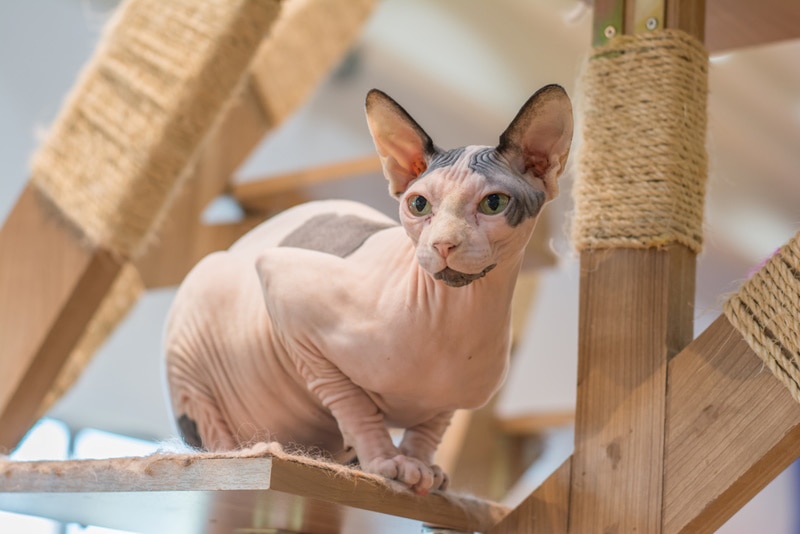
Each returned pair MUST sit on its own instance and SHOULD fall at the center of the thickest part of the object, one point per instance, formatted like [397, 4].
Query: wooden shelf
[206, 493]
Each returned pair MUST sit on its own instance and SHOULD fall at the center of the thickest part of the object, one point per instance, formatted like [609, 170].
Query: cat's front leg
[421, 442]
[362, 426]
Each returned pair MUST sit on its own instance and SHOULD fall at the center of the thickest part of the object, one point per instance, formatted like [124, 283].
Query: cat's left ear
[537, 141]
[403, 146]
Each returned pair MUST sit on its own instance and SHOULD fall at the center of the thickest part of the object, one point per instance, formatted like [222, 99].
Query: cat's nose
[444, 248]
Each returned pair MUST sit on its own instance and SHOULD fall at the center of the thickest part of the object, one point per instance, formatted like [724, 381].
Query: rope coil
[765, 312]
[642, 165]
[140, 109]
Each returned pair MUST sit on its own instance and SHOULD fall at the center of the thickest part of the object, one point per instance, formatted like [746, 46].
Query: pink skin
[300, 346]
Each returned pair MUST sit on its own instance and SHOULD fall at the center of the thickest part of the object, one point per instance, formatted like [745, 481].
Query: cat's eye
[493, 204]
[419, 205]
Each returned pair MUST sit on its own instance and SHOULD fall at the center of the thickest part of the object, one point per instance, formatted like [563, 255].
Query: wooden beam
[258, 194]
[545, 510]
[51, 282]
[728, 25]
[635, 312]
[731, 428]
[195, 493]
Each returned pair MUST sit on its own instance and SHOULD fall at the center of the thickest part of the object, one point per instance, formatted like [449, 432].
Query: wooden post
[636, 312]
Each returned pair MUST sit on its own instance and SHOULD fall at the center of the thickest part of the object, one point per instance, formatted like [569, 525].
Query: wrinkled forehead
[486, 162]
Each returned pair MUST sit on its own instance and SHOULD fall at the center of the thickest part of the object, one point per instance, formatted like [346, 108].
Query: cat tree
[671, 434]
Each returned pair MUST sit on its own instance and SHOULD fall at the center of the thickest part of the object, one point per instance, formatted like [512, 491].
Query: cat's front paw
[415, 474]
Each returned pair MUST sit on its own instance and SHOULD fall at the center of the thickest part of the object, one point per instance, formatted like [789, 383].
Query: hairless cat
[330, 323]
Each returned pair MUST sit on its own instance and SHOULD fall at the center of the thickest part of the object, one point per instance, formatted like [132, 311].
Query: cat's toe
[413, 473]
[440, 478]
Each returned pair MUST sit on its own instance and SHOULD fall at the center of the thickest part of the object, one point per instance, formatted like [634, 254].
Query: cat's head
[471, 208]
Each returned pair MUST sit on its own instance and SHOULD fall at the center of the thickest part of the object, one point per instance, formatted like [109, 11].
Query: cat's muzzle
[455, 278]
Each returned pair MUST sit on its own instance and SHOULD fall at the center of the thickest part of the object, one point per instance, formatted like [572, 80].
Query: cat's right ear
[403, 146]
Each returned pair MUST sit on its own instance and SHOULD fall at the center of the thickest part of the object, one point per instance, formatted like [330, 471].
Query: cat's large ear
[403, 146]
[537, 141]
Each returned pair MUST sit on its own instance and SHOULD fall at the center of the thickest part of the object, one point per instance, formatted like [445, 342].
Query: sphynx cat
[330, 323]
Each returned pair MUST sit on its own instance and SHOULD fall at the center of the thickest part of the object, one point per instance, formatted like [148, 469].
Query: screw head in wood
[610, 32]
[652, 23]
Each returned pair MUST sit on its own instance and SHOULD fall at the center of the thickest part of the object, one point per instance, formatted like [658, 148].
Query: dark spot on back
[331, 233]
[189, 432]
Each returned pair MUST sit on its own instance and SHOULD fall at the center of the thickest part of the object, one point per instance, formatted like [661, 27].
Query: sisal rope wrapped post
[142, 106]
[765, 311]
[642, 165]
[131, 128]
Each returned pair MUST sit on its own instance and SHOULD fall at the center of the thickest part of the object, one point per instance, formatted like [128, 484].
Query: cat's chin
[455, 278]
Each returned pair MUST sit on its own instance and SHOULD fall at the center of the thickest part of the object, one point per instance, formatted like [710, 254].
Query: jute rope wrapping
[642, 165]
[766, 311]
[141, 107]
[130, 128]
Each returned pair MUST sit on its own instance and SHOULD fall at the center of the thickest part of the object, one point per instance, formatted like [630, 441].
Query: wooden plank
[51, 282]
[545, 510]
[733, 24]
[257, 194]
[224, 494]
[635, 312]
[731, 428]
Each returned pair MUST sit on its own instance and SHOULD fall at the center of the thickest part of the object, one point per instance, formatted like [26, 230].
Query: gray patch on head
[331, 233]
[443, 158]
[454, 278]
[526, 201]
[189, 433]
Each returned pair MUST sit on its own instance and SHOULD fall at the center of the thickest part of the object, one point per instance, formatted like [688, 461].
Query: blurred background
[462, 68]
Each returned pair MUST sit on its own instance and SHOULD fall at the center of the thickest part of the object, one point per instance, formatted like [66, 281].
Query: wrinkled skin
[330, 323]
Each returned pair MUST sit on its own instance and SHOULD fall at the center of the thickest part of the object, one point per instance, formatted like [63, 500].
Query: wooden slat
[635, 312]
[50, 285]
[731, 428]
[545, 510]
[258, 194]
[223, 495]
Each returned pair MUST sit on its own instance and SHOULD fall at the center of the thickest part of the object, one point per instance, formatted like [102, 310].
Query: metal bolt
[652, 23]
[610, 32]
